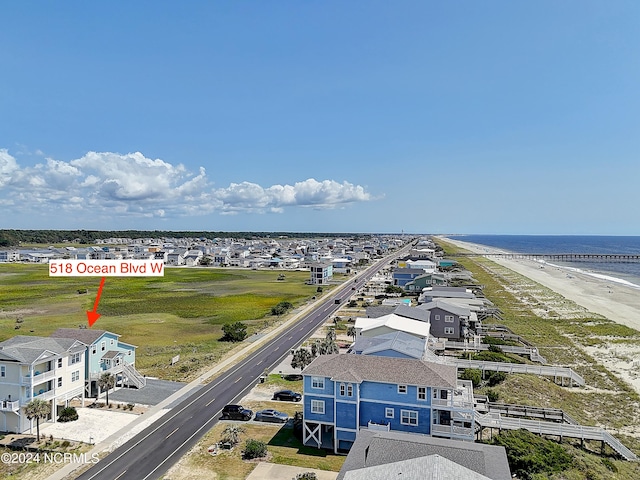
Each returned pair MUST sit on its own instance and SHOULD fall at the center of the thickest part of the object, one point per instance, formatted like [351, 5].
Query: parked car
[288, 395]
[236, 412]
[271, 416]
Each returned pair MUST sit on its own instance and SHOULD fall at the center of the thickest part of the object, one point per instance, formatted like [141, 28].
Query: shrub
[234, 332]
[496, 378]
[528, 453]
[68, 414]
[492, 395]
[65, 444]
[281, 308]
[495, 349]
[255, 449]
[472, 374]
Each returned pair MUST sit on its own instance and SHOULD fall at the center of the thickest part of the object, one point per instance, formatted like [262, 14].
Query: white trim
[389, 412]
[321, 395]
[405, 387]
[398, 404]
[448, 318]
[425, 394]
[318, 403]
[449, 330]
[315, 380]
[409, 416]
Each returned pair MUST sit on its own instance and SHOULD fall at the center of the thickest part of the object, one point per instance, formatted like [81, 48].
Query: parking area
[154, 392]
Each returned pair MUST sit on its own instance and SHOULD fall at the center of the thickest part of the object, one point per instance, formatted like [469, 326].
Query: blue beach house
[105, 353]
[346, 393]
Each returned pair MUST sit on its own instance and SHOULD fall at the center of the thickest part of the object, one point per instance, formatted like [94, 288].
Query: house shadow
[18, 442]
[285, 437]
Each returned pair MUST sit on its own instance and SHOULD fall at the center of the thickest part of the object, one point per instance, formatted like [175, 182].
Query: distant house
[384, 455]
[176, 258]
[450, 321]
[437, 292]
[395, 344]
[344, 394]
[321, 273]
[9, 256]
[44, 368]
[401, 276]
[373, 327]
[105, 353]
[421, 282]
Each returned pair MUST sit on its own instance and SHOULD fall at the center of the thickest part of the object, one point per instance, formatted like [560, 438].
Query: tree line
[13, 238]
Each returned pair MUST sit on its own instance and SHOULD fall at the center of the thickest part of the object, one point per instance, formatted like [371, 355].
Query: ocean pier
[560, 257]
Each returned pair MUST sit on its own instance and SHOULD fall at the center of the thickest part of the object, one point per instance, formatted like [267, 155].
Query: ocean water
[596, 244]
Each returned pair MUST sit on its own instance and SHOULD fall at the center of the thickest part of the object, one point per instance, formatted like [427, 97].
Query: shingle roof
[413, 313]
[380, 448]
[448, 307]
[85, 335]
[342, 367]
[431, 467]
[27, 349]
[111, 354]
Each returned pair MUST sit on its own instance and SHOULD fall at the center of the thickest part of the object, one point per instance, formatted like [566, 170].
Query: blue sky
[360, 116]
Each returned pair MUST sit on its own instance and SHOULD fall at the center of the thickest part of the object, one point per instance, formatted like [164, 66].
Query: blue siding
[388, 392]
[375, 412]
[346, 415]
[308, 389]
[316, 417]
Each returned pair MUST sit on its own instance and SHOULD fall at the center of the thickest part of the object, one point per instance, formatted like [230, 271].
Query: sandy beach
[618, 302]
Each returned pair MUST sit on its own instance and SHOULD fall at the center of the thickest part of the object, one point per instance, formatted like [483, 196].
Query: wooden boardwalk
[495, 420]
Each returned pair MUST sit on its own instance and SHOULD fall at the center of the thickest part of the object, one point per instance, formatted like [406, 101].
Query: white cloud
[134, 185]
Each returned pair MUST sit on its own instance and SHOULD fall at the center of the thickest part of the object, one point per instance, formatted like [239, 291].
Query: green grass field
[180, 313]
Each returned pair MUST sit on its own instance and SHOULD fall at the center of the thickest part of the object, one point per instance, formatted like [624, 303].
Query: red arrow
[93, 316]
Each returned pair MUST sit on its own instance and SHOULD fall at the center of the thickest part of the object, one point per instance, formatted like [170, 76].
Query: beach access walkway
[496, 420]
[531, 352]
[558, 373]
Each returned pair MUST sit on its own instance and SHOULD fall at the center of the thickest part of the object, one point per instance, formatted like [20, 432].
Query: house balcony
[7, 406]
[38, 377]
[378, 427]
[460, 398]
[453, 431]
[116, 370]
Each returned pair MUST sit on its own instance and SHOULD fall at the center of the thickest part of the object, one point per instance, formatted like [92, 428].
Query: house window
[438, 317]
[343, 389]
[93, 349]
[103, 346]
[422, 393]
[59, 381]
[402, 389]
[349, 390]
[112, 340]
[409, 417]
[3, 371]
[388, 412]
[448, 318]
[129, 353]
[317, 406]
[75, 358]
[449, 330]
[317, 382]
[75, 376]
[59, 363]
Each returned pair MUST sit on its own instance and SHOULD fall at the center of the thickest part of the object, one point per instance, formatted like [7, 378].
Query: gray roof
[446, 306]
[111, 354]
[431, 467]
[413, 313]
[377, 311]
[85, 335]
[401, 342]
[380, 448]
[356, 368]
[27, 349]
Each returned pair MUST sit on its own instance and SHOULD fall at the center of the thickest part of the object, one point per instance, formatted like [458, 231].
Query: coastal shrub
[492, 395]
[494, 357]
[498, 341]
[254, 449]
[495, 349]
[307, 476]
[472, 374]
[495, 378]
[281, 308]
[234, 332]
[68, 414]
[529, 454]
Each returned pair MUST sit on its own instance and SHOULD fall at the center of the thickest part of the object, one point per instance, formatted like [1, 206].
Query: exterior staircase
[132, 376]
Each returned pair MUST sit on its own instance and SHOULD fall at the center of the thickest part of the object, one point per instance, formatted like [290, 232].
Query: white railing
[531, 352]
[385, 427]
[495, 420]
[7, 406]
[134, 377]
[452, 431]
[543, 370]
[38, 378]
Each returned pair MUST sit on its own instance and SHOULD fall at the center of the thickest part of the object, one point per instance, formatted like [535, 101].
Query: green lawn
[180, 313]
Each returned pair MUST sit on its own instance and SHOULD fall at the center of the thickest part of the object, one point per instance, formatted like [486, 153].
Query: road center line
[210, 402]
[172, 433]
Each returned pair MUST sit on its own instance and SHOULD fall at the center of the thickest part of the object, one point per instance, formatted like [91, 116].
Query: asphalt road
[154, 450]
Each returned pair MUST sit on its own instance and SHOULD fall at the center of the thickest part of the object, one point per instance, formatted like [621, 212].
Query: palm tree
[37, 409]
[351, 331]
[106, 382]
[231, 434]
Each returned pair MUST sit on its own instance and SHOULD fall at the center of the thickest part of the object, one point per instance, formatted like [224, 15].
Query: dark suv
[236, 412]
[287, 395]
